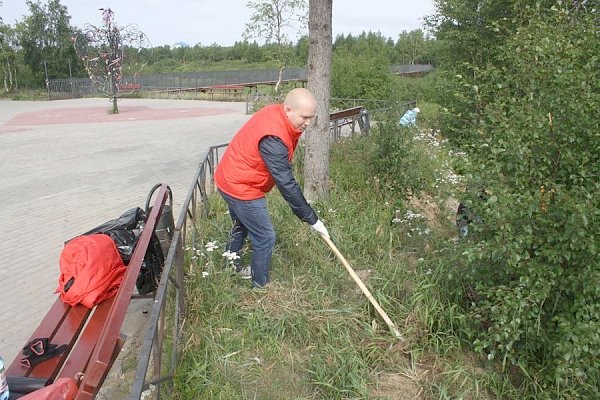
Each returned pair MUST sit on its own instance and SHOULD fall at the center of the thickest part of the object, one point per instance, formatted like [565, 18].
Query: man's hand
[320, 228]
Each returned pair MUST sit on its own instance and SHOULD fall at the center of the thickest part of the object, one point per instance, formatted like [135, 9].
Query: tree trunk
[115, 92]
[317, 136]
[10, 76]
[115, 107]
[113, 100]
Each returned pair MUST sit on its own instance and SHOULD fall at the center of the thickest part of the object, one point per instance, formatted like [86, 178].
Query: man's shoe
[257, 287]
[244, 272]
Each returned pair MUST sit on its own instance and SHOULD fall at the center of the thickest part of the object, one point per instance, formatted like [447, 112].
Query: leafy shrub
[402, 160]
[530, 285]
[360, 77]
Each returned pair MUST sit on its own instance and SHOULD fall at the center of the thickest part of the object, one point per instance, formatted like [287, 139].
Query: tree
[8, 57]
[102, 51]
[410, 47]
[468, 34]
[45, 38]
[271, 20]
[471, 30]
[531, 272]
[318, 137]
[361, 67]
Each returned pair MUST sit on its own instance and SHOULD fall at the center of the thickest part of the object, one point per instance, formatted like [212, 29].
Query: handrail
[196, 202]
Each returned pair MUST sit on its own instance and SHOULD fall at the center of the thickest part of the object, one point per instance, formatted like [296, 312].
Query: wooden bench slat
[82, 351]
[349, 116]
[129, 86]
[349, 112]
[87, 392]
[47, 327]
[61, 326]
[67, 334]
[232, 87]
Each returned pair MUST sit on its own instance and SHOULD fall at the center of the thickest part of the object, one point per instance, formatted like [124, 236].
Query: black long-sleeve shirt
[275, 154]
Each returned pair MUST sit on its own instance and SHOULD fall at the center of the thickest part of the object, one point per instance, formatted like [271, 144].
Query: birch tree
[272, 20]
[7, 56]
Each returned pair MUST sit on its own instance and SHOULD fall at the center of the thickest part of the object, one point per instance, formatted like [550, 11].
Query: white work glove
[320, 228]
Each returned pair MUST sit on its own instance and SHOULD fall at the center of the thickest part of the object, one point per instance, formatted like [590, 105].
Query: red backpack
[91, 270]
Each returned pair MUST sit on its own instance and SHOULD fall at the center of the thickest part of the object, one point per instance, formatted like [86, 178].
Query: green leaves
[45, 36]
[360, 69]
[531, 131]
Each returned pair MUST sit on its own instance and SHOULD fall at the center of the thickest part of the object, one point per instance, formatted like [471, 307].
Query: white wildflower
[210, 246]
[231, 256]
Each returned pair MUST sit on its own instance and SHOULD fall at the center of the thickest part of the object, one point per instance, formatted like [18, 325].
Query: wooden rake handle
[364, 289]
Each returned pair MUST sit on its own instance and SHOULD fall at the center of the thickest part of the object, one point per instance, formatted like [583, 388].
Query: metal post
[71, 79]
[180, 305]
[47, 80]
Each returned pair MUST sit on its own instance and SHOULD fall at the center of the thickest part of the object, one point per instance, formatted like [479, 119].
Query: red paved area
[79, 115]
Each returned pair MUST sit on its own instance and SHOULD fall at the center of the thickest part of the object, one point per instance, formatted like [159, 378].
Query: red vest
[242, 173]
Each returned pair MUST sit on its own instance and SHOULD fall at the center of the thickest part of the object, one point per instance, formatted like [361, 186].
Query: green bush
[402, 157]
[360, 77]
[530, 277]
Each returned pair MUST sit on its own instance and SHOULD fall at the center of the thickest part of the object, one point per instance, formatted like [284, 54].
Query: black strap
[38, 350]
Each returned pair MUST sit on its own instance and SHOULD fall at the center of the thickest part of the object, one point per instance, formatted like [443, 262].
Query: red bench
[92, 337]
[225, 92]
[349, 116]
[129, 87]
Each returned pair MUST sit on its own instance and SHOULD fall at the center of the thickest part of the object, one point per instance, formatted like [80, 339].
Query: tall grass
[313, 334]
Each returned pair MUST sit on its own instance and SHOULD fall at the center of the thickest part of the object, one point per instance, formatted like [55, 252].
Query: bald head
[300, 107]
[299, 97]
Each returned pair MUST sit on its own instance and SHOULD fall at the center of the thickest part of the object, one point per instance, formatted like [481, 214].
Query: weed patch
[312, 334]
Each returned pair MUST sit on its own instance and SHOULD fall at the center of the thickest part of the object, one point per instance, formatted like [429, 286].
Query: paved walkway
[67, 166]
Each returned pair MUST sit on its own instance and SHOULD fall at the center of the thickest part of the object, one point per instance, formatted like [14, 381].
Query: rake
[363, 288]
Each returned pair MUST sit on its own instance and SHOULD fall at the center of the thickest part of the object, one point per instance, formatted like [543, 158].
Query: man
[258, 158]
[410, 117]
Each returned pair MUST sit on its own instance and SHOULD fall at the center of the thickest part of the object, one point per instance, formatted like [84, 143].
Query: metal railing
[169, 308]
[408, 69]
[84, 87]
[255, 101]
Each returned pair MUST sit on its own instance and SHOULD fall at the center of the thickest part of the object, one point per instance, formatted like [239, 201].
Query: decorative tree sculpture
[102, 51]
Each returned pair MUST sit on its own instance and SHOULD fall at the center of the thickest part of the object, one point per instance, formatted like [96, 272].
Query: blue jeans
[251, 218]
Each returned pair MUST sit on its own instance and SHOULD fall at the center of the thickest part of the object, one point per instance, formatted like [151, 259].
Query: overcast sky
[223, 21]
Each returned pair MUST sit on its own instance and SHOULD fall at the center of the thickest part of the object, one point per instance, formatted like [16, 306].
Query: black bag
[125, 232]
